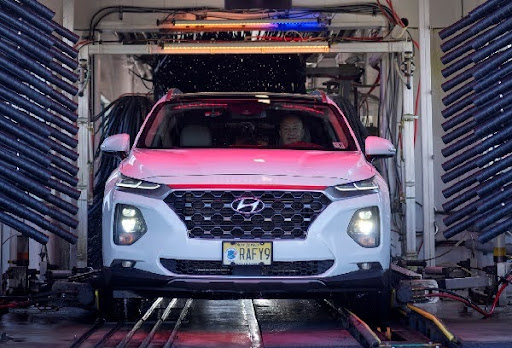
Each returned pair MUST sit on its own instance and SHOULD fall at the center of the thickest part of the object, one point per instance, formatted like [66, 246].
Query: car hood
[265, 166]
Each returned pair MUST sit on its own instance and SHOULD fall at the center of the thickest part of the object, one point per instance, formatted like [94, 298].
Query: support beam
[83, 162]
[427, 143]
[409, 182]
[348, 47]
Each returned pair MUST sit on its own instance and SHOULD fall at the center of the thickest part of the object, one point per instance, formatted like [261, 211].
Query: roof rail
[321, 94]
[173, 92]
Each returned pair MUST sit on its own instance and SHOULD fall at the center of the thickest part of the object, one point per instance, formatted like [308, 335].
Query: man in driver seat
[291, 130]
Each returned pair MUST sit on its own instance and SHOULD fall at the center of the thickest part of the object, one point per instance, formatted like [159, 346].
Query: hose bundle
[37, 122]
[124, 115]
[479, 121]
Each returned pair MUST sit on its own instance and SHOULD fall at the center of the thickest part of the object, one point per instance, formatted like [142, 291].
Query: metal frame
[427, 136]
[351, 47]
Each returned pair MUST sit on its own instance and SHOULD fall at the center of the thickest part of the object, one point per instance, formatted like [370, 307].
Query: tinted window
[221, 123]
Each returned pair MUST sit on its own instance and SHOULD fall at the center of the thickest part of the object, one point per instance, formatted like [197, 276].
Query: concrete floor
[237, 323]
[469, 326]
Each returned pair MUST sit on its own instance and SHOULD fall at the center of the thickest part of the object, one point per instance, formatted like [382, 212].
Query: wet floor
[238, 323]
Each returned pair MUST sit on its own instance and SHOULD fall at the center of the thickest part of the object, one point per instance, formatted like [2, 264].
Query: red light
[302, 108]
[200, 105]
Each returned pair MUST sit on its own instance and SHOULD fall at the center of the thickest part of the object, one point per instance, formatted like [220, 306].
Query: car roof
[315, 98]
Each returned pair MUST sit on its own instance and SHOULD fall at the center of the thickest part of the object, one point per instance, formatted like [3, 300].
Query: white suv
[246, 194]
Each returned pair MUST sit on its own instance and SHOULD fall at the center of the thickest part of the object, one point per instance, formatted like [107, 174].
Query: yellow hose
[433, 318]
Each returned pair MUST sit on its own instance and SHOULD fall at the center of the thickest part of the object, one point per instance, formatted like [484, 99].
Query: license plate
[246, 253]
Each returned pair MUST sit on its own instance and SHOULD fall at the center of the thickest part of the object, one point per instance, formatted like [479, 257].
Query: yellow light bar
[247, 25]
[246, 48]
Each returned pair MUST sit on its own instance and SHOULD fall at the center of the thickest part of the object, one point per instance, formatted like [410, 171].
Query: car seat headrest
[195, 136]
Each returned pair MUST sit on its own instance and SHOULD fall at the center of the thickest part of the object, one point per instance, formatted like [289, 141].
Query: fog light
[129, 225]
[364, 227]
[129, 212]
[127, 264]
[365, 265]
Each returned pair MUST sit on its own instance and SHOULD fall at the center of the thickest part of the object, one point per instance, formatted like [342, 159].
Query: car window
[251, 123]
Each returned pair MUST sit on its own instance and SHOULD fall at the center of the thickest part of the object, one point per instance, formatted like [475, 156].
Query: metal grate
[277, 269]
[280, 215]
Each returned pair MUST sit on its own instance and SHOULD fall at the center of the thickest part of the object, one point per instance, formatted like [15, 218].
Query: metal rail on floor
[418, 328]
[145, 319]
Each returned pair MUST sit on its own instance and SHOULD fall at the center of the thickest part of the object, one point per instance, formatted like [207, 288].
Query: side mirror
[376, 147]
[118, 144]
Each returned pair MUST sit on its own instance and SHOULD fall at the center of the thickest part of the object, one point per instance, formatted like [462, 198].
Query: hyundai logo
[247, 205]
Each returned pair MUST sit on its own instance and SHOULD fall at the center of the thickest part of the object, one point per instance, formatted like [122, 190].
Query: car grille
[285, 215]
[277, 269]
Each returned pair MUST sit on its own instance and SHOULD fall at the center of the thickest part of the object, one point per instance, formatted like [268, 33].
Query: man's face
[291, 130]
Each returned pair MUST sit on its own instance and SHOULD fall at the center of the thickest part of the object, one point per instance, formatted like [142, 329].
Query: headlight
[364, 227]
[364, 185]
[129, 225]
[130, 183]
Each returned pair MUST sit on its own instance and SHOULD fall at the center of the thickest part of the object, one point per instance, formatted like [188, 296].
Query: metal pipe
[25, 149]
[461, 213]
[478, 41]
[496, 139]
[459, 145]
[504, 209]
[63, 176]
[24, 119]
[494, 168]
[39, 8]
[454, 81]
[480, 70]
[461, 226]
[480, 176]
[28, 15]
[460, 185]
[458, 65]
[493, 106]
[17, 86]
[458, 93]
[34, 187]
[459, 118]
[494, 154]
[458, 132]
[500, 14]
[503, 71]
[470, 18]
[14, 98]
[494, 123]
[13, 69]
[460, 199]
[30, 64]
[498, 181]
[41, 144]
[35, 169]
[65, 165]
[24, 213]
[495, 231]
[502, 86]
[38, 51]
[489, 65]
[23, 228]
[492, 47]
[458, 172]
[22, 197]
[457, 106]
[497, 198]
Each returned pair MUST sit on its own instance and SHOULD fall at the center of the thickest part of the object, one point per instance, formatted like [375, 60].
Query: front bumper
[145, 283]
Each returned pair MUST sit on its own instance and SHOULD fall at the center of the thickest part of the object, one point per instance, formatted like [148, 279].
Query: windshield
[254, 123]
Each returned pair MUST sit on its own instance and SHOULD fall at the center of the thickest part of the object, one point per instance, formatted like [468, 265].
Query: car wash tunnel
[255, 173]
